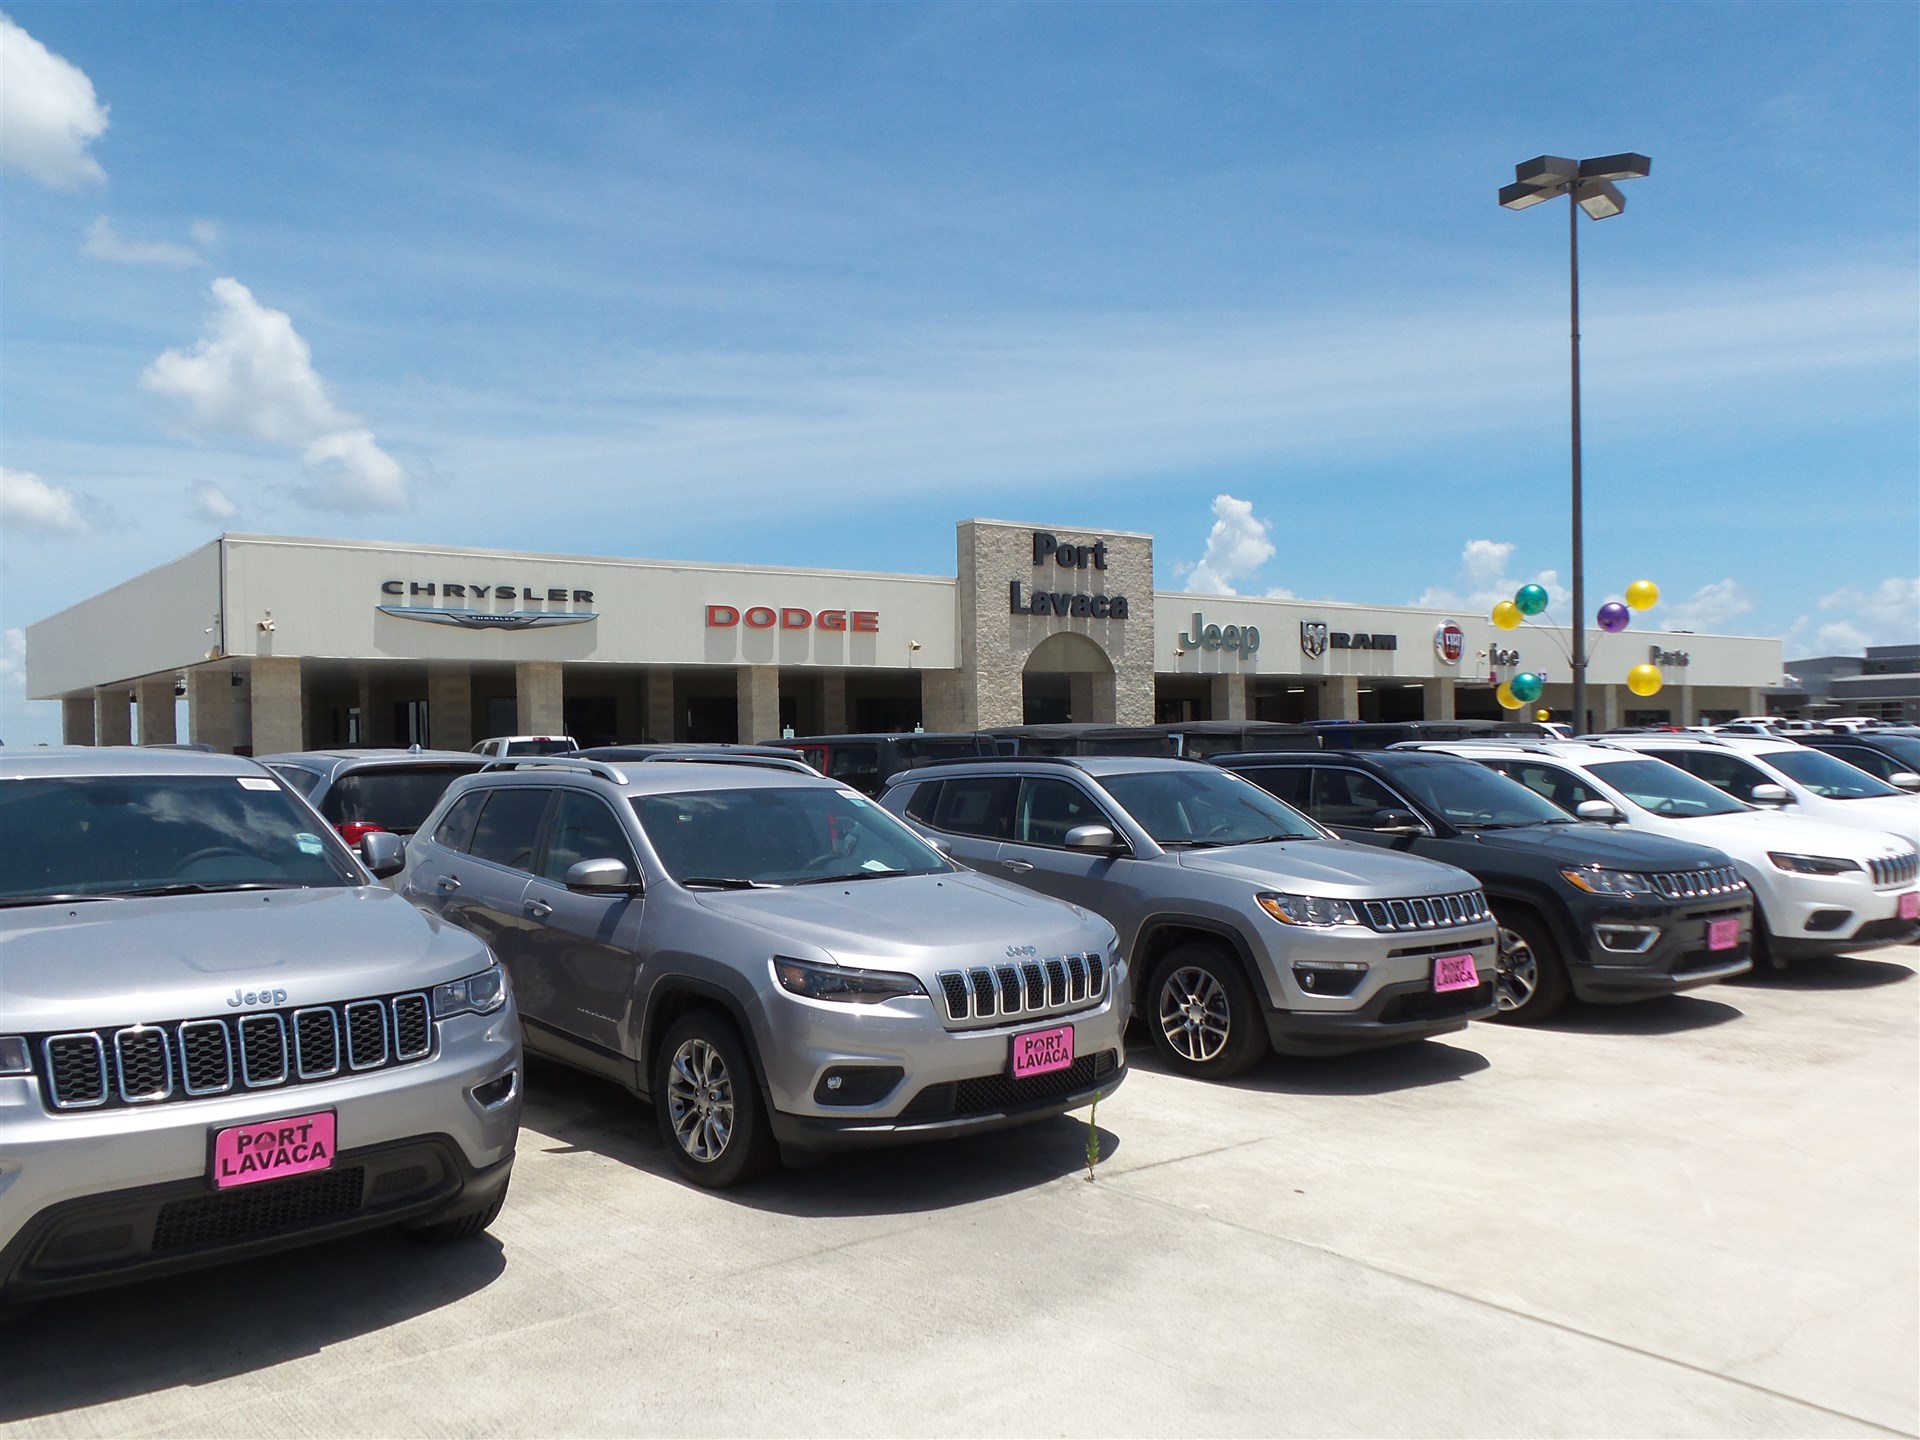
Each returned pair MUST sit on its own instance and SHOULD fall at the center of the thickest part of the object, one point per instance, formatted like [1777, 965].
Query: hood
[179, 957]
[1897, 815]
[1748, 833]
[1343, 869]
[919, 923]
[1609, 846]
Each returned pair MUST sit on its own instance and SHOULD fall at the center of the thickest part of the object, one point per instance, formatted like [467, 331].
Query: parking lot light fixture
[1589, 186]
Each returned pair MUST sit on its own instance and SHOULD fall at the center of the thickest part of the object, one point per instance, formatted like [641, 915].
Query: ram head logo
[1313, 638]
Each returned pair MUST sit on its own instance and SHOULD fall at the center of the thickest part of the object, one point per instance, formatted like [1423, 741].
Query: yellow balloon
[1508, 700]
[1543, 715]
[1507, 615]
[1644, 680]
[1643, 595]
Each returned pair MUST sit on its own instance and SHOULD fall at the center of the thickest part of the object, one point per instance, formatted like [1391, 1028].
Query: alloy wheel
[700, 1100]
[1194, 1014]
[1516, 971]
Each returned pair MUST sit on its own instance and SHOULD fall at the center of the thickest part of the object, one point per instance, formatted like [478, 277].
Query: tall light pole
[1589, 186]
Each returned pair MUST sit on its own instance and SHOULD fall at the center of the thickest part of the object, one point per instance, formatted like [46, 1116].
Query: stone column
[1437, 698]
[155, 699]
[759, 702]
[538, 691]
[76, 719]
[210, 707]
[1229, 697]
[450, 707]
[1604, 700]
[942, 705]
[278, 706]
[115, 718]
[661, 715]
[1340, 697]
[833, 702]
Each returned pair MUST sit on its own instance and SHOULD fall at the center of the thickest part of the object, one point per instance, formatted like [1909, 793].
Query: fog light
[1330, 977]
[1823, 920]
[1626, 939]
[857, 1084]
[495, 1093]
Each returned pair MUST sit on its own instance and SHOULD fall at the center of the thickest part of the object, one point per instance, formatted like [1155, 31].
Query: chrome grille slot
[142, 1064]
[1896, 869]
[412, 1027]
[1096, 975]
[1424, 912]
[263, 1050]
[76, 1071]
[1010, 990]
[366, 1034]
[1056, 985]
[1077, 978]
[1036, 993]
[206, 1057]
[983, 993]
[316, 1043]
[956, 992]
[1696, 884]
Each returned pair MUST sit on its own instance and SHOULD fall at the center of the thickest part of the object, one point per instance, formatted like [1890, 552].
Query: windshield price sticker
[256, 782]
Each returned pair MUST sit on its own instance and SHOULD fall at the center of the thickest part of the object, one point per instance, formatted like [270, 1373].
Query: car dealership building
[286, 644]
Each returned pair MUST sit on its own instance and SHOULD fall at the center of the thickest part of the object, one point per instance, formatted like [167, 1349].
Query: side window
[1724, 772]
[509, 828]
[1552, 783]
[816, 756]
[1872, 761]
[1288, 783]
[978, 805]
[584, 829]
[1049, 808]
[299, 777]
[922, 801]
[857, 765]
[456, 826]
[1350, 798]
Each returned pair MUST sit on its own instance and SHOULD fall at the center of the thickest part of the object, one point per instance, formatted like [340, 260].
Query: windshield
[1828, 775]
[1472, 797]
[546, 745]
[1665, 789]
[1204, 807]
[779, 836]
[395, 797]
[121, 835]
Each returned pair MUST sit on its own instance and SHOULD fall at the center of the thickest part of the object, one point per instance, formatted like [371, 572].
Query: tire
[706, 1098]
[1202, 1014]
[460, 1227]
[1530, 976]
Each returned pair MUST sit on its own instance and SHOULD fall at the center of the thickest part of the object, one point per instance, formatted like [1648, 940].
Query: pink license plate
[1454, 972]
[272, 1149]
[1038, 1051]
[1910, 905]
[1723, 934]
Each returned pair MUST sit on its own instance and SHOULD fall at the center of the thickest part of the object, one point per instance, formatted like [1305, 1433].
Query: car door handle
[1018, 866]
[539, 909]
[448, 882]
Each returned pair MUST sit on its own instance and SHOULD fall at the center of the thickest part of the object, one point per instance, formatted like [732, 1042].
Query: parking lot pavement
[1696, 1216]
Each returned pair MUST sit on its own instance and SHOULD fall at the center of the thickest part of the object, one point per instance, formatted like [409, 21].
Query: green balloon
[1526, 686]
[1531, 599]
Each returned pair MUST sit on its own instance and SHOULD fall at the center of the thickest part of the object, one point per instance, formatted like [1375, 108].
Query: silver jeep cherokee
[1246, 924]
[769, 957]
[218, 1035]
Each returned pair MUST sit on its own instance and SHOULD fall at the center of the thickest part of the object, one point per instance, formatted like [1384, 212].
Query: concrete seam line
[1117, 1186]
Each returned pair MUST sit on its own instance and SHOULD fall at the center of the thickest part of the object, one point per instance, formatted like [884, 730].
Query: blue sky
[805, 284]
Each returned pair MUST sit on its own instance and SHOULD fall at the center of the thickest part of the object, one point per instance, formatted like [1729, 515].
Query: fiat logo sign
[1450, 642]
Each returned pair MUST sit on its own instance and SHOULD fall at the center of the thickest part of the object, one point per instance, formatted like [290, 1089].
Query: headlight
[837, 982]
[1608, 882]
[1316, 910]
[15, 1058]
[480, 994]
[1812, 864]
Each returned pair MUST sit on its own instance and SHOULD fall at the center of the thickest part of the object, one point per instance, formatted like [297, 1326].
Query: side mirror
[1397, 822]
[938, 842]
[1770, 795]
[383, 852]
[1600, 811]
[1093, 837]
[1904, 780]
[600, 877]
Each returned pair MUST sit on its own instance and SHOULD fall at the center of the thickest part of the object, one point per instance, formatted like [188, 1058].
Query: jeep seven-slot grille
[1426, 912]
[1697, 884]
[1033, 986]
[1896, 869]
[184, 1059]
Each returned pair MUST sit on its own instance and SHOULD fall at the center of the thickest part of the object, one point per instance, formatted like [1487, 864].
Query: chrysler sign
[507, 617]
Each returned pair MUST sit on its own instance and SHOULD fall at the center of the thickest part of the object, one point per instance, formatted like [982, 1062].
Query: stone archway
[1068, 676]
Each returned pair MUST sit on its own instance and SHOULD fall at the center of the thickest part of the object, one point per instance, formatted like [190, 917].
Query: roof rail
[723, 757]
[557, 762]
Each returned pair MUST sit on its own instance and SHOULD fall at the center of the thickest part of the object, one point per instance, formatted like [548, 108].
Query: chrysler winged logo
[476, 620]
[1313, 638]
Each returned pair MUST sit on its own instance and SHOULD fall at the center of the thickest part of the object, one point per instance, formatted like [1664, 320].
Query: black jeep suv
[1584, 909]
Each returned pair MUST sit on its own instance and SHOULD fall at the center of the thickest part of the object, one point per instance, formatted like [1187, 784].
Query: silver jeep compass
[219, 1035]
[769, 957]
[1247, 924]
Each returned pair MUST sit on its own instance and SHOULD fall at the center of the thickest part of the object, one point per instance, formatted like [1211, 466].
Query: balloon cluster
[1531, 600]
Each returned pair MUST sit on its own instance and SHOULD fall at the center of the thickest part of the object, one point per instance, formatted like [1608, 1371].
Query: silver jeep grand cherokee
[218, 1035]
[769, 957]
[1247, 925]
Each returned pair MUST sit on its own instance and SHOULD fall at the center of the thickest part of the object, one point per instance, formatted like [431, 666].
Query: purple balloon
[1614, 617]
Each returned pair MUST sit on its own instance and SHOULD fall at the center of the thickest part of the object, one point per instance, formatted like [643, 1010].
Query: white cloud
[1237, 547]
[48, 113]
[213, 504]
[31, 503]
[1888, 614]
[106, 243]
[252, 374]
[1707, 609]
[1483, 581]
[205, 233]
[13, 665]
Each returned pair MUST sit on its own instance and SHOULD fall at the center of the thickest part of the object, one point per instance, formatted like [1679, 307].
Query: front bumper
[1678, 960]
[1408, 1010]
[1393, 1000]
[58, 1164]
[1836, 915]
